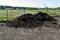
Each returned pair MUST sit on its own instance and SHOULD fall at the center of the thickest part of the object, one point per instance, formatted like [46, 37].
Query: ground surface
[45, 33]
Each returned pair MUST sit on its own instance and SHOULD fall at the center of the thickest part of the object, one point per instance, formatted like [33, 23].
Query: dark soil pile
[31, 21]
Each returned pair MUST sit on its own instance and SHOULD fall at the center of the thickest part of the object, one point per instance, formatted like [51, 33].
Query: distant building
[18, 8]
[1, 8]
[9, 8]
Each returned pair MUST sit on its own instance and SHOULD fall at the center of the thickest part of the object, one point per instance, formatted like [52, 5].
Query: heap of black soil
[31, 21]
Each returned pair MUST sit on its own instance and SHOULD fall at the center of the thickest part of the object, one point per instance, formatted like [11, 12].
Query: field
[12, 14]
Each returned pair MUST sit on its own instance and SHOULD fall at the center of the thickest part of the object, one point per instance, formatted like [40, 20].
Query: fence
[8, 15]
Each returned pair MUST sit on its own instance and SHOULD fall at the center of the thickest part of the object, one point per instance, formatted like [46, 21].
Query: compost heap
[31, 21]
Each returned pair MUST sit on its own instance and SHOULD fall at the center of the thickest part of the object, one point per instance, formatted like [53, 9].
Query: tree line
[22, 8]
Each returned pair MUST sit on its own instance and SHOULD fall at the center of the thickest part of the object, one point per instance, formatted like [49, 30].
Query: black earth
[31, 21]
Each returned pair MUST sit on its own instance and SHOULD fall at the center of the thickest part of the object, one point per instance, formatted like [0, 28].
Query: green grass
[12, 14]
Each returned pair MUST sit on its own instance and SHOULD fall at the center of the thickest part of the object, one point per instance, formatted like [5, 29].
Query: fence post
[44, 7]
[47, 9]
[38, 8]
[55, 12]
[24, 11]
[7, 14]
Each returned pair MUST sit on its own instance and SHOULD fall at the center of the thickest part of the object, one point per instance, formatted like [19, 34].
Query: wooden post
[7, 14]
[24, 10]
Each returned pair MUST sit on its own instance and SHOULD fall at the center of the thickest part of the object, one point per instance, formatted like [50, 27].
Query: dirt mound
[31, 21]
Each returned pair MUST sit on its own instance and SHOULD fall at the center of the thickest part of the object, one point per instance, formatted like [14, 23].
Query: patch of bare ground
[43, 33]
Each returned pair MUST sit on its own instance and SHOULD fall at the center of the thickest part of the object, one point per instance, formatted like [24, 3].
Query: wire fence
[8, 15]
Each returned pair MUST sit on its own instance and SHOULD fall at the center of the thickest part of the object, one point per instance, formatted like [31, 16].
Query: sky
[31, 3]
